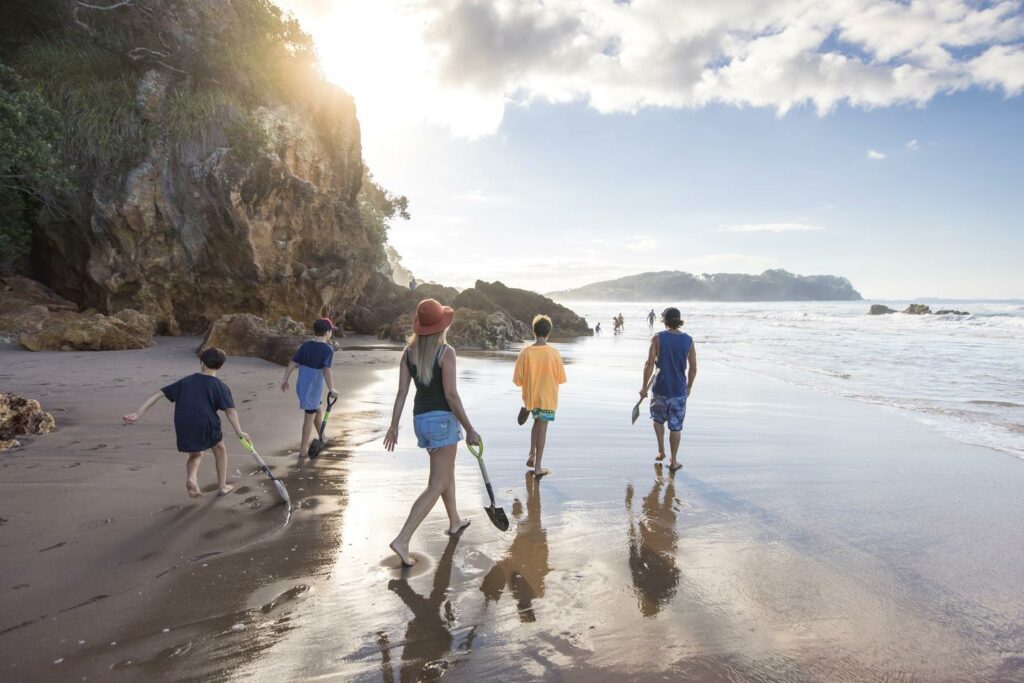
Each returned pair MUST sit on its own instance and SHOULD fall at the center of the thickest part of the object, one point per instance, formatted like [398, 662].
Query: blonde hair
[426, 350]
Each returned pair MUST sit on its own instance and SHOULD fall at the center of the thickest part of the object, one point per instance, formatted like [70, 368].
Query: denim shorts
[669, 409]
[436, 429]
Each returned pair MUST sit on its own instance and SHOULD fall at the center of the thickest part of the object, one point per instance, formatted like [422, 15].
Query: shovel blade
[283, 492]
[636, 413]
[498, 517]
[315, 446]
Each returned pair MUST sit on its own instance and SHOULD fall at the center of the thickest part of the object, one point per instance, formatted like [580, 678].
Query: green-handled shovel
[317, 445]
[496, 514]
[281, 490]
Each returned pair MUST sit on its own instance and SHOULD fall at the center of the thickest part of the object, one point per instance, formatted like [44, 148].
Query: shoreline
[101, 542]
[808, 535]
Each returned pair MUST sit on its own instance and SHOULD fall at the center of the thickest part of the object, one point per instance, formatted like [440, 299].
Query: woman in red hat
[429, 362]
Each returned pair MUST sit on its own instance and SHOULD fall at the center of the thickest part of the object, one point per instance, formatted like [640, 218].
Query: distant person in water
[673, 352]
[429, 363]
[413, 284]
[597, 328]
[539, 371]
[196, 399]
[650, 319]
[313, 360]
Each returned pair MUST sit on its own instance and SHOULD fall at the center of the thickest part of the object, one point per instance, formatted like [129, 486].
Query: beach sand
[809, 537]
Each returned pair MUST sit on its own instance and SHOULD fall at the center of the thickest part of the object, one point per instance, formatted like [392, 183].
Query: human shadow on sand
[525, 565]
[653, 543]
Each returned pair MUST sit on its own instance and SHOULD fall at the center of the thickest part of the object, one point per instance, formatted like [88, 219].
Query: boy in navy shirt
[196, 399]
[313, 359]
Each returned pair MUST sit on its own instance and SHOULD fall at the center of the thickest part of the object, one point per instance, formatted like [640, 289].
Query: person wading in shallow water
[674, 354]
[437, 411]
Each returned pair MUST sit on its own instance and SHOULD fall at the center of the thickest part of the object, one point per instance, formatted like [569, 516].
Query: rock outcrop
[917, 309]
[524, 305]
[880, 309]
[67, 331]
[41, 320]
[235, 197]
[21, 416]
[244, 334]
[470, 329]
[950, 311]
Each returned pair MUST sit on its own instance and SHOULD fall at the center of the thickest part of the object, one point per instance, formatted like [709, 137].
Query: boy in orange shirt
[539, 371]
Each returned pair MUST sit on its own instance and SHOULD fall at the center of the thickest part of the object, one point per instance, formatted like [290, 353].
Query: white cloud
[876, 155]
[461, 62]
[642, 244]
[913, 145]
[769, 227]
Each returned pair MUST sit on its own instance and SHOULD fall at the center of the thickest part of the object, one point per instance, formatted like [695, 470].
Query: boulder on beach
[917, 309]
[245, 334]
[879, 309]
[69, 331]
[20, 416]
[491, 331]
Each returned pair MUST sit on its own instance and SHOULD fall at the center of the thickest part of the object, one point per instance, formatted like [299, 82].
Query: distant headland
[666, 285]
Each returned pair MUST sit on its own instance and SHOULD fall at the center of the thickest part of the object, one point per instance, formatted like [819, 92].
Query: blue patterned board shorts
[436, 429]
[543, 415]
[671, 410]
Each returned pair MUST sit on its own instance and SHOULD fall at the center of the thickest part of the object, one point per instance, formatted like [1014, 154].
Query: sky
[552, 144]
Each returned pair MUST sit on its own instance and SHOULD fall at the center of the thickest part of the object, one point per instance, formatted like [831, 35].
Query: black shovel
[317, 445]
[496, 514]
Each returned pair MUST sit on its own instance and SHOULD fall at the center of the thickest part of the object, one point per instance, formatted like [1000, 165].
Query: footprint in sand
[54, 547]
[98, 447]
[72, 465]
[20, 586]
[242, 489]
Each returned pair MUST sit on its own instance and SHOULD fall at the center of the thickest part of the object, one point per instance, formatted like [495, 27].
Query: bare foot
[193, 489]
[541, 472]
[225, 490]
[529, 463]
[661, 456]
[676, 466]
[403, 553]
[463, 523]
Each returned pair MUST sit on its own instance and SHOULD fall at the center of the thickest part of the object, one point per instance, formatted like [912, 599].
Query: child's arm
[518, 374]
[692, 372]
[329, 378]
[652, 357]
[132, 418]
[288, 373]
[232, 416]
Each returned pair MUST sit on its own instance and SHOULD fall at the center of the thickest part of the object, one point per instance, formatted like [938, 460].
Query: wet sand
[808, 538]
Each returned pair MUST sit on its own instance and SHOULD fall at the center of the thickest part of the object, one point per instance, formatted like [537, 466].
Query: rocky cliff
[223, 178]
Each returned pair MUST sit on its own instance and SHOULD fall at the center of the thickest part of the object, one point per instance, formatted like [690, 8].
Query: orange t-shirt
[539, 371]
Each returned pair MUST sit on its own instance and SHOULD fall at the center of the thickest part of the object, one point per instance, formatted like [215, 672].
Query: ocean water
[962, 375]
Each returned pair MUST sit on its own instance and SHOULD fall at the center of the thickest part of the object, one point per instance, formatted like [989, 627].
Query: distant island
[674, 285]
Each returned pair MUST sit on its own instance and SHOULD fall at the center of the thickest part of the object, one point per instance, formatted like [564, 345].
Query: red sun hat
[432, 317]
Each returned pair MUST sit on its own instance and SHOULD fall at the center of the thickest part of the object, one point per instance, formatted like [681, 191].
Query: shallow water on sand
[808, 538]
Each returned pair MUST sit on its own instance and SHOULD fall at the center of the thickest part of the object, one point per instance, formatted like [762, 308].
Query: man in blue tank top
[672, 352]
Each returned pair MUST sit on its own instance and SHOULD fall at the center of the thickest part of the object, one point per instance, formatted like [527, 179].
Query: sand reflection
[428, 636]
[525, 565]
[653, 543]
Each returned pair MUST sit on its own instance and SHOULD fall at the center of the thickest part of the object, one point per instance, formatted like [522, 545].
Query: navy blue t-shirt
[196, 399]
[314, 354]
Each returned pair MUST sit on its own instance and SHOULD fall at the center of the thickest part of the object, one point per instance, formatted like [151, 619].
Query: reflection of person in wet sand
[428, 636]
[652, 545]
[525, 566]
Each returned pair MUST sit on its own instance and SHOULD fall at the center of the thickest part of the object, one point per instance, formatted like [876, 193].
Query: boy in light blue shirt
[313, 359]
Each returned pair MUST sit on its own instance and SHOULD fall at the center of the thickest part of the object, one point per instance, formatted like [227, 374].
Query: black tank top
[429, 397]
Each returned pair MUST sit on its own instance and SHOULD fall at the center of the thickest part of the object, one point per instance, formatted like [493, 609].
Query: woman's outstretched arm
[404, 379]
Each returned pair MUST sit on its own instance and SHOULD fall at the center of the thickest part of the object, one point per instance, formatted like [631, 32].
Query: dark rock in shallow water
[917, 309]
[950, 311]
[879, 309]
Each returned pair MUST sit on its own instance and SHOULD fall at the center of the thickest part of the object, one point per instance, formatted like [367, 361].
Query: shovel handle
[477, 449]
